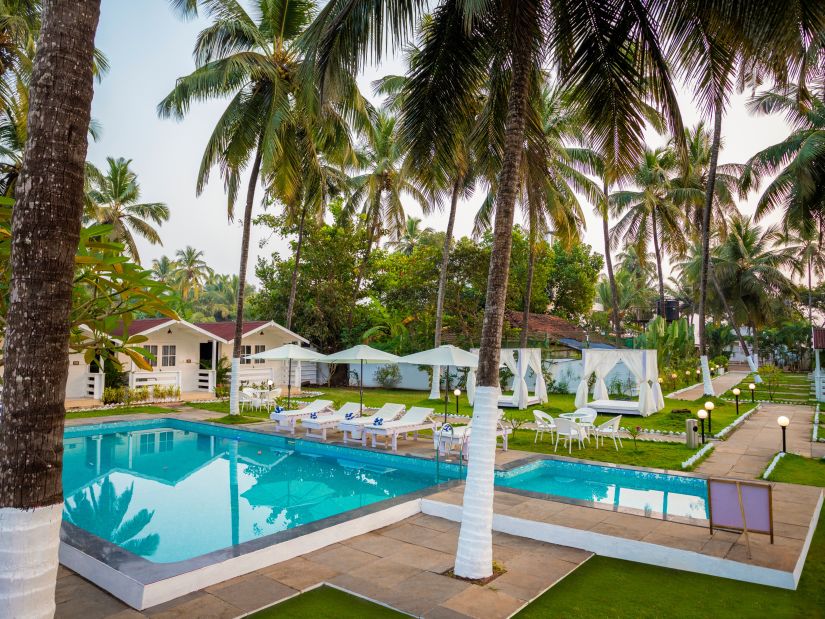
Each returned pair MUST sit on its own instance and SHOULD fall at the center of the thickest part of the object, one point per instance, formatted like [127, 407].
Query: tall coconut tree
[113, 198]
[191, 272]
[45, 233]
[163, 269]
[251, 58]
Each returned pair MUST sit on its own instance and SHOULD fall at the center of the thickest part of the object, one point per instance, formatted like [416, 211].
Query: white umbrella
[288, 352]
[446, 355]
[361, 354]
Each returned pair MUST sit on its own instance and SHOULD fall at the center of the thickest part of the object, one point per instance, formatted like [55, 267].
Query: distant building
[557, 336]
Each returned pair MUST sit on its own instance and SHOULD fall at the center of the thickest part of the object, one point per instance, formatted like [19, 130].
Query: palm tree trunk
[703, 279]
[661, 305]
[474, 557]
[293, 287]
[528, 291]
[45, 233]
[608, 260]
[445, 261]
[362, 269]
[247, 225]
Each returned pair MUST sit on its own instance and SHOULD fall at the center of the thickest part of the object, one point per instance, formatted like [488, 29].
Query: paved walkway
[753, 445]
[400, 566]
[720, 385]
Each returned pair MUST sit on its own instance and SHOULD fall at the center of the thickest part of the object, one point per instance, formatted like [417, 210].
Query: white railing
[149, 379]
[256, 375]
[206, 380]
[95, 382]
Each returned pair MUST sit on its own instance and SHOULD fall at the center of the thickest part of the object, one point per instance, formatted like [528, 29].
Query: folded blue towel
[278, 409]
[313, 415]
[446, 428]
[349, 415]
[378, 421]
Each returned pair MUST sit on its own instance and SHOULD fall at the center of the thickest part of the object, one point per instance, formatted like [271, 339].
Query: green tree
[113, 198]
[571, 281]
[191, 272]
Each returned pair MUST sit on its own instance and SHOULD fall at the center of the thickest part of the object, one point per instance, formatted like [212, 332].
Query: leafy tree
[571, 281]
[190, 272]
[113, 198]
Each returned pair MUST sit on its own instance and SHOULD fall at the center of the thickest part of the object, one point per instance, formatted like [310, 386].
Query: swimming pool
[169, 490]
[632, 490]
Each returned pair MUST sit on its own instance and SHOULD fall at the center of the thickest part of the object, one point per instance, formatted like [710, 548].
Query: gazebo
[641, 363]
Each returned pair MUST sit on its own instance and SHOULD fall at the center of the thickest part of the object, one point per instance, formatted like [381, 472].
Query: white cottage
[186, 354]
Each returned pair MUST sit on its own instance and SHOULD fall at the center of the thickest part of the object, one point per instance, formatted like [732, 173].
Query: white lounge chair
[609, 428]
[288, 419]
[353, 429]
[569, 431]
[544, 423]
[317, 427]
[415, 419]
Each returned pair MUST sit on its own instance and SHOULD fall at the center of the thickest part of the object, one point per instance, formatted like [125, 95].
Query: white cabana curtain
[641, 363]
[534, 361]
[508, 359]
[520, 387]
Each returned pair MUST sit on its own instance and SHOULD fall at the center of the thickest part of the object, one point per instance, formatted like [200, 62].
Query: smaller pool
[648, 493]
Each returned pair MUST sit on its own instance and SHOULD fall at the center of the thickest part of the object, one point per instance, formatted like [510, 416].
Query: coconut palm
[113, 198]
[411, 236]
[191, 272]
[384, 180]
[251, 58]
[163, 270]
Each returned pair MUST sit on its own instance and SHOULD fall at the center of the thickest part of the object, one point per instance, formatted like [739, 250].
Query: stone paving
[400, 566]
[748, 451]
[720, 385]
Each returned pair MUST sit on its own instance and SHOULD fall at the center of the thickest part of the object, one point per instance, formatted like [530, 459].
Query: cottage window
[259, 348]
[168, 357]
[153, 351]
[246, 350]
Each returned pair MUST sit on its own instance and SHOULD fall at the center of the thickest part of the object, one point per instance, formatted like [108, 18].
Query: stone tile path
[400, 566]
[749, 450]
[720, 385]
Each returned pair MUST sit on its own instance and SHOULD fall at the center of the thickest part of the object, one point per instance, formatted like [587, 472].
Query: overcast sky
[149, 48]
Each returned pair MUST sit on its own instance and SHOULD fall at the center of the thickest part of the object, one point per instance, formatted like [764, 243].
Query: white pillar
[819, 388]
[214, 355]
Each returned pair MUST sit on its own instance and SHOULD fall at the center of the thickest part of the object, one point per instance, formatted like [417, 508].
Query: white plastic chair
[245, 399]
[587, 423]
[544, 423]
[609, 428]
[569, 431]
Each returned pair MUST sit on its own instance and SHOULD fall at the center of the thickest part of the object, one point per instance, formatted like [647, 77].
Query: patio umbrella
[361, 354]
[444, 355]
[287, 353]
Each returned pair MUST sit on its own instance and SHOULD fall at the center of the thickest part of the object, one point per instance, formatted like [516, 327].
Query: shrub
[388, 376]
[221, 391]
[721, 361]
[114, 395]
[771, 377]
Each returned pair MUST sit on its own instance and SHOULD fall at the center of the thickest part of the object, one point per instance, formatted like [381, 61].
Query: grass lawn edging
[736, 422]
[815, 436]
[773, 464]
[700, 455]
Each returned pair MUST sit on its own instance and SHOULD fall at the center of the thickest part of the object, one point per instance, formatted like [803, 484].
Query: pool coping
[142, 583]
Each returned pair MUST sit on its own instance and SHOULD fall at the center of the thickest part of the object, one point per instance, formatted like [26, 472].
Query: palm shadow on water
[102, 513]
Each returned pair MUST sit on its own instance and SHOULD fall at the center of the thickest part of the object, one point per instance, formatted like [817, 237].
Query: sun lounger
[415, 419]
[318, 426]
[288, 419]
[353, 428]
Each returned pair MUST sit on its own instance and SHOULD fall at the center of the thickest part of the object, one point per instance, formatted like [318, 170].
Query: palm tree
[191, 272]
[384, 180]
[255, 63]
[113, 198]
[163, 270]
[46, 224]
[649, 212]
[411, 236]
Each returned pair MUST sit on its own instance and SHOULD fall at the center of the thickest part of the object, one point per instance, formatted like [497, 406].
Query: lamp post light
[457, 394]
[709, 406]
[673, 377]
[783, 423]
[702, 414]
[752, 387]
[736, 391]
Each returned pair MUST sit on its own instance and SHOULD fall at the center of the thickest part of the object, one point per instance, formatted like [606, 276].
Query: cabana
[528, 358]
[641, 363]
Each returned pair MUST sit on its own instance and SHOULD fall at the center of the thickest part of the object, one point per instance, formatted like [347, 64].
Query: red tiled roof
[553, 326]
[819, 338]
[139, 326]
[226, 330]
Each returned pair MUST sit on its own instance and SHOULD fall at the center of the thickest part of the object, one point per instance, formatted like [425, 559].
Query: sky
[149, 48]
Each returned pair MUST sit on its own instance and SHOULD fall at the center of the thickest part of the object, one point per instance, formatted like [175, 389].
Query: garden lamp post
[736, 391]
[783, 423]
[709, 406]
[702, 414]
[673, 377]
[752, 387]
[457, 394]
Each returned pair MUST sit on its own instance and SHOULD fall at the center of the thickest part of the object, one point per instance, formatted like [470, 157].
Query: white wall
[76, 382]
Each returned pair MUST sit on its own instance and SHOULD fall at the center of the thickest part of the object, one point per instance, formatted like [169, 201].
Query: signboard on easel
[741, 506]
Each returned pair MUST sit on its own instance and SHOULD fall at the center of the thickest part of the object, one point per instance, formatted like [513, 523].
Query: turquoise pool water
[171, 490]
[652, 494]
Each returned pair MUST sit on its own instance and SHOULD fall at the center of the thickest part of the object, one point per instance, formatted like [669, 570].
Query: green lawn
[605, 587]
[792, 387]
[793, 469]
[667, 419]
[653, 454]
[126, 410]
[326, 602]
